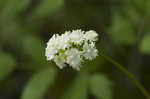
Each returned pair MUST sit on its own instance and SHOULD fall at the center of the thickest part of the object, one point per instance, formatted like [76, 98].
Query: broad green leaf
[140, 5]
[13, 7]
[47, 7]
[2, 3]
[148, 7]
[78, 88]
[35, 51]
[39, 84]
[101, 86]
[7, 65]
[34, 47]
[11, 32]
[122, 30]
[132, 13]
[145, 44]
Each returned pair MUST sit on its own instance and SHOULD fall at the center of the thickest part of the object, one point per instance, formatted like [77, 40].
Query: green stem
[130, 75]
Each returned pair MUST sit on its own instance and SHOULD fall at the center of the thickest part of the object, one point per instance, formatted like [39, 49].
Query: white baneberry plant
[72, 48]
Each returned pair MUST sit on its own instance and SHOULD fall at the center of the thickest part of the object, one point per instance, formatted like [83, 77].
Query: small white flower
[89, 51]
[71, 48]
[77, 36]
[73, 58]
[65, 38]
[51, 48]
[60, 61]
[50, 53]
[91, 35]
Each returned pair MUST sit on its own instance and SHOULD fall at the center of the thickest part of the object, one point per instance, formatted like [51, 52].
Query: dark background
[26, 26]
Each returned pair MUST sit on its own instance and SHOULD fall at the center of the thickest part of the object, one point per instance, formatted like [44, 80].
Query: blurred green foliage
[101, 86]
[26, 26]
[11, 9]
[7, 65]
[118, 30]
[46, 7]
[39, 83]
[145, 44]
[78, 88]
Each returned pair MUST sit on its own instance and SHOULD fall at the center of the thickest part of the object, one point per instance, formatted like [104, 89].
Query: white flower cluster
[71, 48]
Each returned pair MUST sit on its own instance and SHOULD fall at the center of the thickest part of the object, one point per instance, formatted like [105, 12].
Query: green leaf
[39, 84]
[140, 5]
[101, 86]
[2, 3]
[145, 44]
[11, 32]
[34, 47]
[7, 65]
[47, 7]
[132, 13]
[122, 30]
[148, 7]
[34, 50]
[78, 88]
[13, 7]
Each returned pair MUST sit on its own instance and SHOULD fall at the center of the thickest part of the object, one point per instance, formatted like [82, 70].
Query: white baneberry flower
[70, 48]
[51, 48]
[91, 35]
[60, 61]
[65, 38]
[74, 58]
[89, 51]
[77, 36]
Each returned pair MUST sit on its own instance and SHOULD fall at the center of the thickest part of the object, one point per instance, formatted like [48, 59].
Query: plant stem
[130, 75]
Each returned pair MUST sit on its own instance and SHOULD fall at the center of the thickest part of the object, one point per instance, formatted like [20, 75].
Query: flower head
[72, 48]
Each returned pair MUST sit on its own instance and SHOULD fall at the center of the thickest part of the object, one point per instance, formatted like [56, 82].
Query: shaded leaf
[101, 86]
[2, 3]
[13, 7]
[148, 7]
[133, 14]
[78, 88]
[145, 44]
[34, 47]
[39, 84]
[7, 65]
[122, 30]
[47, 7]
[140, 5]
[14, 30]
